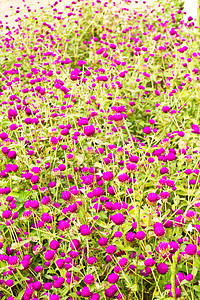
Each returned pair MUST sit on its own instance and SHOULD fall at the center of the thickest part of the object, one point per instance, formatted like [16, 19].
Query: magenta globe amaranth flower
[66, 195]
[86, 292]
[159, 230]
[177, 292]
[149, 262]
[118, 219]
[89, 279]
[103, 241]
[108, 176]
[12, 154]
[123, 177]
[111, 249]
[130, 237]
[191, 249]
[162, 268]
[89, 130]
[91, 260]
[54, 297]
[37, 286]
[147, 130]
[163, 247]
[54, 245]
[152, 199]
[113, 278]
[49, 255]
[140, 235]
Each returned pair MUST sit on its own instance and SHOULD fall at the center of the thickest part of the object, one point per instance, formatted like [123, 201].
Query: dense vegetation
[99, 163]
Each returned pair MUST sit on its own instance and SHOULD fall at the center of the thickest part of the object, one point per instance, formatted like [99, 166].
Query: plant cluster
[99, 154]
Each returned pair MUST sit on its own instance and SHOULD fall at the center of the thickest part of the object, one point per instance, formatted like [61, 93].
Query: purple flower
[123, 177]
[118, 219]
[37, 285]
[66, 195]
[7, 214]
[147, 130]
[86, 292]
[189, 277]
[54, 297]
[152, 198]
[103, 241]
[89, 279]
[140, 235]
[177, 292]
[54, 245]
[12, 154]
[110, 292]
[108, 176]
[49, 255]
[149, 262]
[111, 249]
[91, 260]
[130, 237]
[113, 278]
[89, 130]
[191, 249]
[162, 268]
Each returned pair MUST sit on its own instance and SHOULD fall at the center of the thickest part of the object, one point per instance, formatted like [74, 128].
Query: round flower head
[152, 199]
[49, 255]
[130, 237]
[123, 262]
[86, 292]
[108, 176]
[190, 215]
[163, 247]
[111, 249]
[91, 260]
[162, 268]
[95, 297]
[7, 214]
[109, 293]
[174, 246]
[89, 130]
[54, 297]
[179, 278]
[54, 245]
[75, 244]
[113, 278]
[147, 130]
[60, 263]
[97, 192]
[89, 279]
[149, 262]
[123, 177]
[140, 235]
[189, 277]
[118, 219]
[58, 282]
[103, 241]
[13, 261]
[191, 249]
[85, 230]
[12, 154]
[37, 285]
[66, 195]
[159, 230]
[177, 292]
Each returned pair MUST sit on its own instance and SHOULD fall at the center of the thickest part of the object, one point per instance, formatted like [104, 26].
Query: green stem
[198, 14]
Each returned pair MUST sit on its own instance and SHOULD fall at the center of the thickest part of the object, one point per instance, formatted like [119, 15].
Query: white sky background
[190, 8]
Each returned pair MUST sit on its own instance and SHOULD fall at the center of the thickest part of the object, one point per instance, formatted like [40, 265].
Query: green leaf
[197, 288]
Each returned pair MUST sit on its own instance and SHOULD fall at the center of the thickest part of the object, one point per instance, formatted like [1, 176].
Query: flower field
[99, 154]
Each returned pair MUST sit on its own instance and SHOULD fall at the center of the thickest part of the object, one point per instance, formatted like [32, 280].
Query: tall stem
[198, 13]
